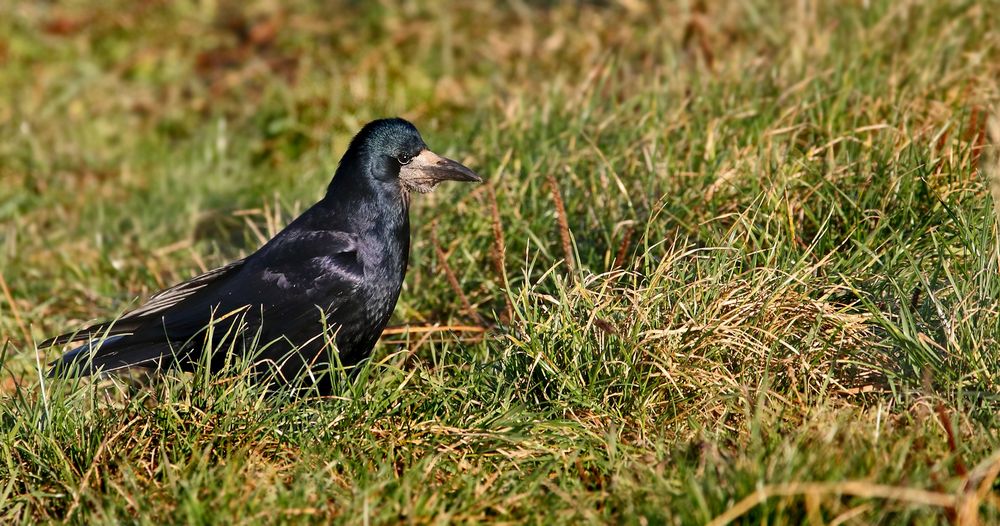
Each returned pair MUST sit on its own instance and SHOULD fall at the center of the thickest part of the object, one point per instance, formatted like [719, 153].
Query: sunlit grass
[776, 270]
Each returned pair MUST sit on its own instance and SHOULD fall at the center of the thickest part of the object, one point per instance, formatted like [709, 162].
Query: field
[733, 262]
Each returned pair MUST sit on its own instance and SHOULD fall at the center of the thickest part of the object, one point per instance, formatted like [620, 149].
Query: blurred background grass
[782, 262]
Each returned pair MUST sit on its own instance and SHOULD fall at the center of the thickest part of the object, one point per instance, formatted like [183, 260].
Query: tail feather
[93, 332]
[155, 307]
[110, 354]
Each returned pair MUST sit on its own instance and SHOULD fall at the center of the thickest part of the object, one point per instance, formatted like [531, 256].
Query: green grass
[785, 260]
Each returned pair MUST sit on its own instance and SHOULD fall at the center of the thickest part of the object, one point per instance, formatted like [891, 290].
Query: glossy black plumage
[335, 272]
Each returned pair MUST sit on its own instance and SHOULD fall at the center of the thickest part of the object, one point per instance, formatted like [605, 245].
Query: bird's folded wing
[286, 279]
[295, 248]
[157, 303]
[167, 298]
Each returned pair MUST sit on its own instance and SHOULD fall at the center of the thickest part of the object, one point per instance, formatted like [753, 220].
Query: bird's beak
[427, 169]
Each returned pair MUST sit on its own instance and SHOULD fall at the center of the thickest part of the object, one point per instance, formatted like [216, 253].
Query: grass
[749, 263]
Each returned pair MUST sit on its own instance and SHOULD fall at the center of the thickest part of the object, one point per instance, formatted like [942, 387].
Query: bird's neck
[355, 187]
[373, 209]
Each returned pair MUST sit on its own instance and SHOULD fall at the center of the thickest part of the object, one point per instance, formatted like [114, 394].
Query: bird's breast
[384, 256]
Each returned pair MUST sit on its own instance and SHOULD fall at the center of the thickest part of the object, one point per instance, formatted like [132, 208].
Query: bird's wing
[292, 272]
[330, 254]
[157, 303]
[283, 279]
[167, 298]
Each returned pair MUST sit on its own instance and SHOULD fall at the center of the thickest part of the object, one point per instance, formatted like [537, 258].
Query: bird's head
[393, 152]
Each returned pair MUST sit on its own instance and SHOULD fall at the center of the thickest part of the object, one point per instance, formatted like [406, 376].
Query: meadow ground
[735, 260]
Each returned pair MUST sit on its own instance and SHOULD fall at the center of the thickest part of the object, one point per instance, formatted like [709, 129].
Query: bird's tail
[110, 354]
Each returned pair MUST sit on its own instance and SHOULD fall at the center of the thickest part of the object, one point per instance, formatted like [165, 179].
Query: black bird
[334, 273]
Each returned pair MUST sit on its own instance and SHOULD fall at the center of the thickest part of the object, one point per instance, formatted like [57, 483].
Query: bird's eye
[404, 159]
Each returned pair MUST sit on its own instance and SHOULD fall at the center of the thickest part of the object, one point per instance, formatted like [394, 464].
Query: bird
[332, 275]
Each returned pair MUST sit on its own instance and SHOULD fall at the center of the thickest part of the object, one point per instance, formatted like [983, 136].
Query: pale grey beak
[427, 169]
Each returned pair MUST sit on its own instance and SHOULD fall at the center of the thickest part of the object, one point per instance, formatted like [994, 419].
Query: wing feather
[157, 303]
[287, 278]
[167, 298]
